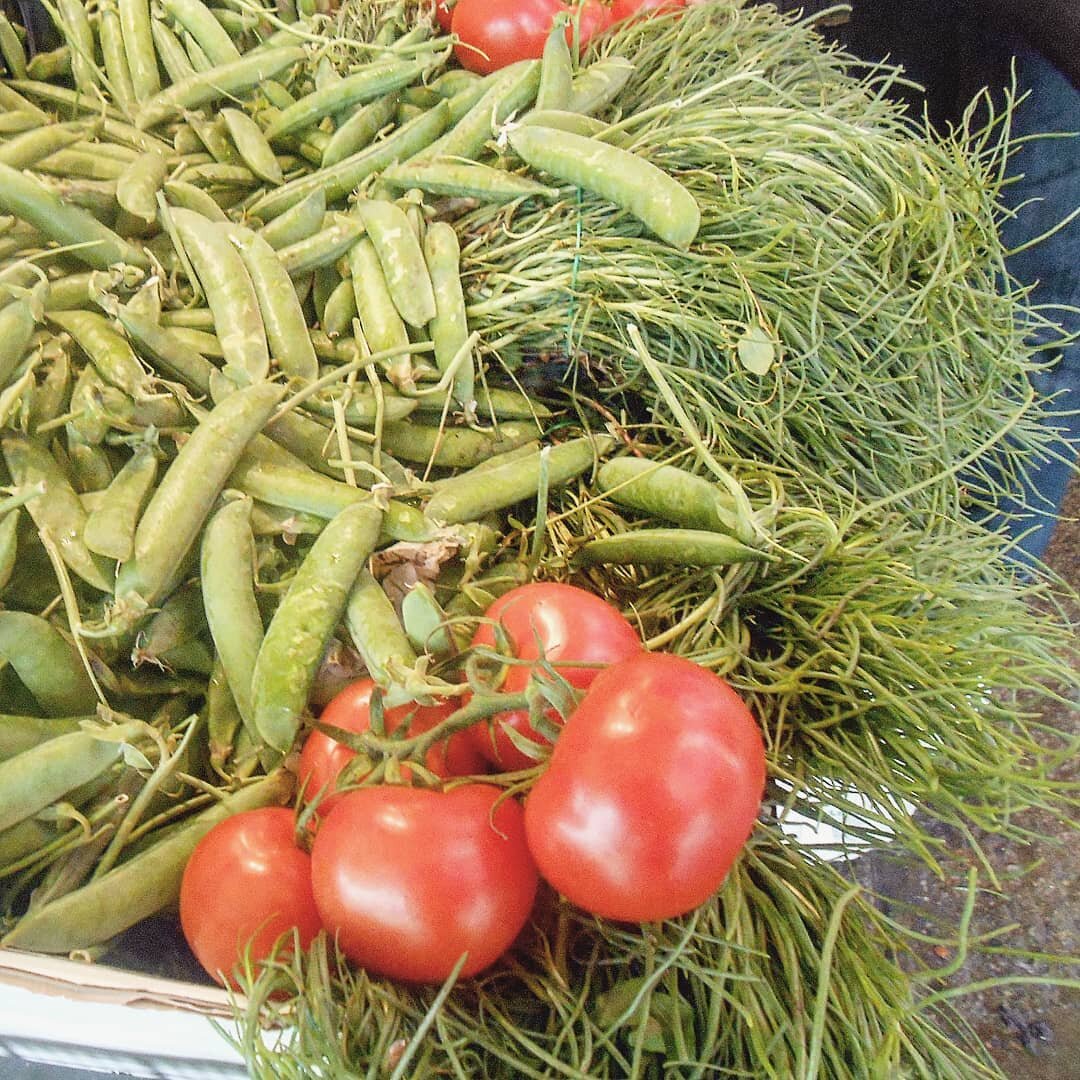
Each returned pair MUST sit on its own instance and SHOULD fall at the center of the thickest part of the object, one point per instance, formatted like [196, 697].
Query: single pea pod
[377, 632]
[304, 620]
[110, 528]
[174, 59]
[113, 52]
[401, 259]
[142, 886]
[9, 546]
[76, 28]
[368, 82]
[138, 185]
[468, 496]
[40, 776]
[449, 328]
[229, 292]
[163, 349]
[228, 591]
[47, 664]
[465, 180]
[380, 320]
[191, 484]
[19, 733]
[135, 29]
[252, 146]
[668, 492]
[233, 79]
[58, 511]
[190, 197]
[25, 150]
[633, 184]
[556, 69]
[92, 243]
[323, 248]
[450, 447]
[666, 547]
[111, 355]
[339, 309]
[11, 49]
[599, 84]
[360, 129]
[297, 223]
[18, 321]
[282, 315]
[562, 120]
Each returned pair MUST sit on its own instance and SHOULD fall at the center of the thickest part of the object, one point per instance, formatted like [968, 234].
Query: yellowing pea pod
[134, 890]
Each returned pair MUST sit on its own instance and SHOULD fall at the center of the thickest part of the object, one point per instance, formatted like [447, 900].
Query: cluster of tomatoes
[649, 792]
[494, 33]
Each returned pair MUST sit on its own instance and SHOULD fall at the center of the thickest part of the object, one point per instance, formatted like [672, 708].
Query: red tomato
[323, 757]
[652, 790]
[624, 9]
[408, 879]
[494, 33]
[246, 881]
[559, 622]
[444, 13]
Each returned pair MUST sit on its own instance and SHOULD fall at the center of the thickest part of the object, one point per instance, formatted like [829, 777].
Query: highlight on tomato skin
[652, 790]
[323, 757]
[407, 880]
[558, 622]
[245, 885]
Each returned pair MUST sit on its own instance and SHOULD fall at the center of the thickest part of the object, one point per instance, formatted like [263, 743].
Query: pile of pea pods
[235, 364]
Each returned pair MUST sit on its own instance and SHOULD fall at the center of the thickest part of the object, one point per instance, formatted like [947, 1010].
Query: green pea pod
[110, 528]
[465, 180]
[47, 664]
[11, 48]
[338, 181]
[556, 69]
[668, 492]
[9, 549]
[226, 79]
[312, 442]
[25, 150]
[380, 320]
[296, 224]
[339, 309]
[368, 82]
[171, 53]
[19, 733]
[197, 19]
[27, 837]
[228, 589]
[282, 315]
[145, 884]
[377, 632]
[166, 351]
[76, 28]
[18, 321]
[58, 511]
[449, 328]
[180, 504]
[629, 181]
[229, 292]
[93, 243]
[563, 120]
[449, 447]
[401, 259]
[599, 84]
[252, 146]
[111, 36]
[135, 28]
[666, 547]
[470, 496]
[511, 90]
[110, 354]
[324, 247]
[359, 129]
[138, 185]
[51, 64]
[40, 776]
[304, 620]
[189, 197]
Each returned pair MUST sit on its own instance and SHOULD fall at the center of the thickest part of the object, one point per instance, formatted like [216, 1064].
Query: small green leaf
[757, 353]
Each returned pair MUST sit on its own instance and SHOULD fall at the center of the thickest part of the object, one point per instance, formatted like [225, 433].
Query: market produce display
[475, 467]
